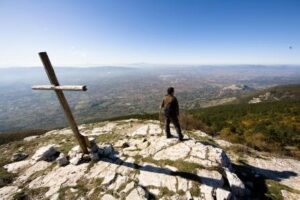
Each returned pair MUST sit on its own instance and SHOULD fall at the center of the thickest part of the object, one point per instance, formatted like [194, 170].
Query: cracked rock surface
[130, 159]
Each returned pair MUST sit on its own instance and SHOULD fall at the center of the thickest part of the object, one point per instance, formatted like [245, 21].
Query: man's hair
[170, 90]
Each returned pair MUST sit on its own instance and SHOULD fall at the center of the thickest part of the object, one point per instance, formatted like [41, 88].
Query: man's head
[170, 91]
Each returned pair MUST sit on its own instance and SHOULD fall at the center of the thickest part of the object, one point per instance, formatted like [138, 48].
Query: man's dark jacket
[170, 105]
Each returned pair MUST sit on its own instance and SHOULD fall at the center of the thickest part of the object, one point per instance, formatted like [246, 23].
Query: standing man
[171, 112]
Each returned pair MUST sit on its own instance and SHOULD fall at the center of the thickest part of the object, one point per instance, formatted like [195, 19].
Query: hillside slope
[268, 120]
[130, 159]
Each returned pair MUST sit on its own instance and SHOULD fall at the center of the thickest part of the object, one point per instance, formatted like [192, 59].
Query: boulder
[18, 156]
[46, 153]
[222, 194]
[76, 156]
[106, 150]
[74, 151]
[75, 160]
[30, 138]
[62, 160]
[236, 185]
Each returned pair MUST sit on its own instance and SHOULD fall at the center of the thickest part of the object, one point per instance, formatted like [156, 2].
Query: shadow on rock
[161, 170]
[255, 178]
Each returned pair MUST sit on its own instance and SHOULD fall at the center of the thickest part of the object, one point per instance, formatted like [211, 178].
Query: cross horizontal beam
[59, 87]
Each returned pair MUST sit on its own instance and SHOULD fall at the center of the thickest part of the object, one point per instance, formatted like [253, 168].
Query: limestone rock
[222, 194]
[138, 193]
[223, 143]
[74, 151]
[183, 184]
[30, 138]
[17, 166]
[150, 175]
[290, 196]
[55, 196]
[36, 167]
[108, 127]
[128, 187]
[176, 152]
[75, 160]
[236, 185]
[154, 191]
[108, 197]
[8, 192]
[206, 192]
[18, 156]
[59, 177]
[62, 160]
[47, 153]
[219, 156]
[210, 177]
[140, 158]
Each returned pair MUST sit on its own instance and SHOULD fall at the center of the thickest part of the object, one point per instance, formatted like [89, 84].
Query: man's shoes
[169, 136]
[180, 138]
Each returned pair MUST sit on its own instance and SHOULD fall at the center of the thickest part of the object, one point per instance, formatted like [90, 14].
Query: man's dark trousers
[174, 121]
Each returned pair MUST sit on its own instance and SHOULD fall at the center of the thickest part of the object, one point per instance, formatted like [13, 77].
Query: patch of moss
[66, 193]
[95, 195]
[274, 190]
[181, 192]
[98, 181]
[108, 138]
[164, 191]
[26, 193]
[20, 195]
[5, 177]
[66, 147]
[90, 165]
[195, 190]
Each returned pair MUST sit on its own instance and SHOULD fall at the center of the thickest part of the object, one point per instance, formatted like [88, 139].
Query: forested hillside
[269, 126]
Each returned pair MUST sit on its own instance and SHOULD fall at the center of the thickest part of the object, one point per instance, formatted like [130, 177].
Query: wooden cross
[83, 142]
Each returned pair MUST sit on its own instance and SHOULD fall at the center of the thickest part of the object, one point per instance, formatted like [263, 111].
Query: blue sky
[88, 33]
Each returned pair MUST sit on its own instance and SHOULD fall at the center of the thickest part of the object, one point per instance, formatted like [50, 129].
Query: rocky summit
[129, 159]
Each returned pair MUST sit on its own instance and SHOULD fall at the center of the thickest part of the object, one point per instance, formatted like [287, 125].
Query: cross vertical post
[62, 100]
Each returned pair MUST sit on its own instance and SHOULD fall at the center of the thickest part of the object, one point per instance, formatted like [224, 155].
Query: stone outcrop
[62, 160]
[129, 160]
[18, 156]
[47, 153]
[236, 185]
